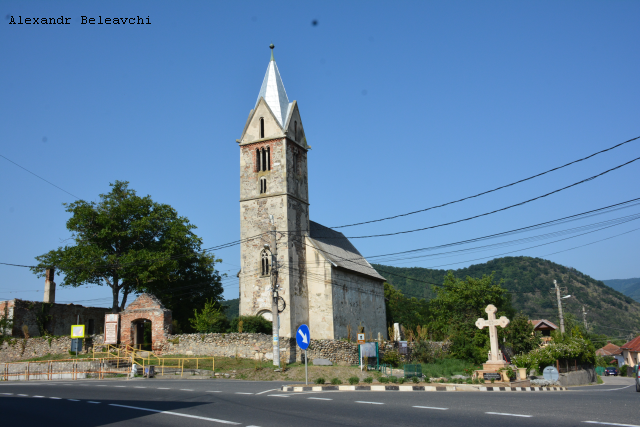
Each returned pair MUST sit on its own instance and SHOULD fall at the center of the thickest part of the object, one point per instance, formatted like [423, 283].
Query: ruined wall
[20, 348]
[357, 301]
[55, 318]
[145, 307]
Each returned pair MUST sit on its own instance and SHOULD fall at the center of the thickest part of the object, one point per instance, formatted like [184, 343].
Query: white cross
[493, 332]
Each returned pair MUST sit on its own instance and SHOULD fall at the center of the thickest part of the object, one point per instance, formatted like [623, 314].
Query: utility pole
[559, 307]
[274, 295]
[584, 318]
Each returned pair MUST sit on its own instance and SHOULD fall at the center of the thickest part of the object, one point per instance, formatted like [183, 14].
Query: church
[324, 281]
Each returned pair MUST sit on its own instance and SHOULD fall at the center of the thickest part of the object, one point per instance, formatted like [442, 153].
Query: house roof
[609, 350]
[338, 249]
[633, 345]
[543, 324]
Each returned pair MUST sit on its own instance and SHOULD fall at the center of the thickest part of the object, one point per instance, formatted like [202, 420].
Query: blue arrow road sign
[303, 337]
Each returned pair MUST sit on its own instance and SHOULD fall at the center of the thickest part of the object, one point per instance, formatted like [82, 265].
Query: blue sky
[406, 105]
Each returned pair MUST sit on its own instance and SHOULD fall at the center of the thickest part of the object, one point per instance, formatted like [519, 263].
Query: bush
[401, 380]
[383, 380]
[427, 379]
[391, 358]
[320, 380]
[353, 380]
[368, 380]
[393, 379]
[252, 325]
[336, 381]
[415, 380]
[468, 381]
[211, 319]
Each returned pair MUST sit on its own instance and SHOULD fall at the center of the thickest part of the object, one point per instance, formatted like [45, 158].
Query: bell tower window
[263, 185]
[261, 127]
[264, 263]
[263, 159]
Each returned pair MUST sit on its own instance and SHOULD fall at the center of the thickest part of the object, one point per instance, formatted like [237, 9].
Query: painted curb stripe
[417, 388]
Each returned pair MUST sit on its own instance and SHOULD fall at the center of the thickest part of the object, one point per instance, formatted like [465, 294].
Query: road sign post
[303, 338]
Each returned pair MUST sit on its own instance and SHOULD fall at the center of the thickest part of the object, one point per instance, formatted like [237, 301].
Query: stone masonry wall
[20, 348]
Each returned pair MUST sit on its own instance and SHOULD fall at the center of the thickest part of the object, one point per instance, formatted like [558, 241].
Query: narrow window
[268, 161]
[295, 130]
[91, 327]
[263, 185]
[263, 160]
[261, 127]
[257, 160]
[264, 263]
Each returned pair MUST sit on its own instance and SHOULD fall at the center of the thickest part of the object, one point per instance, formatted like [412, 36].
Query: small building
[631, 352]
[545, 327]
[611, 350]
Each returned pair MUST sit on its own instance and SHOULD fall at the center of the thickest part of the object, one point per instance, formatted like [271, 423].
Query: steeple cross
[492, 322]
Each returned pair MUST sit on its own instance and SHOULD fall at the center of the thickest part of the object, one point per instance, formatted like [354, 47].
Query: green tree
[409, 312]
[210, 319]
[252, 325]
[133, 244]
[519, 335]
[456, 307]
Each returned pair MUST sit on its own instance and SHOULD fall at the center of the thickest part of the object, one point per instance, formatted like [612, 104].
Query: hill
[629, 287]
[531, 279]
[232, 307]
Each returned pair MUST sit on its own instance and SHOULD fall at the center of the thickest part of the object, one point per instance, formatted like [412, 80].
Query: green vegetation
[252, 324]
[353, 380]
[445, 368]
[336, 381]
[133, 245]
[231, 307]
[529, 280]
[563, 347]
[210, 319]
[320, 380]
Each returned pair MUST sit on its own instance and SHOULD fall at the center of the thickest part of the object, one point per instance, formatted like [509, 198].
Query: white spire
[273, 92]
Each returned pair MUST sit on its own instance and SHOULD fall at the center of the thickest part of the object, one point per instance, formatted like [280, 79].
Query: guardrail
[71, 369]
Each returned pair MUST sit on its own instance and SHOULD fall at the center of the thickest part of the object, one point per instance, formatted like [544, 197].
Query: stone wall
[54, 318]
[586, 376]
[20, 348]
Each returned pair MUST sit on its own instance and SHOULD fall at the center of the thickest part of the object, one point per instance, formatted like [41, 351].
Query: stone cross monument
[496, 361]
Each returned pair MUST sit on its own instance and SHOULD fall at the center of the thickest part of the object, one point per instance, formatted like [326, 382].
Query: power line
[489, 191]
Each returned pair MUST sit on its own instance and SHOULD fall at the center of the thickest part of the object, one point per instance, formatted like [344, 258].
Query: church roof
[339, 250]
[273, 92]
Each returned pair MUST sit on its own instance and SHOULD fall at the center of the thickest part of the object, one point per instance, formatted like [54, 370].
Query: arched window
[264, 263]
[258, 160]
[261, 127]
[295, 130]
[268, 160]
[263, 185]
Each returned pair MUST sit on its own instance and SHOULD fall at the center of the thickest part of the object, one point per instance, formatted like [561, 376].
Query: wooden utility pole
[559, 307]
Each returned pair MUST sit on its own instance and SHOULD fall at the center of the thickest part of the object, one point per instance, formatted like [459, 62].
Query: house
[611, 350]
[630, 352]
[545, 327]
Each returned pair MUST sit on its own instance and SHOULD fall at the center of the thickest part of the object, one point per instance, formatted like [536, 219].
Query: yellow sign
[361, 339]
[77, 331]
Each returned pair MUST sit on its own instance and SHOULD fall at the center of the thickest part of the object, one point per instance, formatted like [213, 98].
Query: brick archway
[145, 307]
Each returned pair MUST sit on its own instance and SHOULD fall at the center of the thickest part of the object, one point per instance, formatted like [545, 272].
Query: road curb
[415, 388]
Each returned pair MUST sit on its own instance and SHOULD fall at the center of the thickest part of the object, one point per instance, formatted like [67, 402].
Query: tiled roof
[338, 249]
[609, 350]
[633, 345]
[542, 322]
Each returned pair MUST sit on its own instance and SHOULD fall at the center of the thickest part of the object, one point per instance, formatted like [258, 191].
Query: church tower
[274, 189]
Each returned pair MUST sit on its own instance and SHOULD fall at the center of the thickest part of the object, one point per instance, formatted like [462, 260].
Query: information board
[492, 376]
[111, 328]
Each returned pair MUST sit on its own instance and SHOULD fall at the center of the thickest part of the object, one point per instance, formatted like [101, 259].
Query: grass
[445, 368]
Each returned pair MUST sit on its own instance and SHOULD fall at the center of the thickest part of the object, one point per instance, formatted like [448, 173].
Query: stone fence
[21, 348]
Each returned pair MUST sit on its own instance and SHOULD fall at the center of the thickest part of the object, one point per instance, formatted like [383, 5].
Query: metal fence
[413, 371]
[67, 369]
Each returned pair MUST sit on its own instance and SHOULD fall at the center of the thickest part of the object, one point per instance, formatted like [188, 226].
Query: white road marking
[56, 398]
[267, 391]
[120, 386]
[139, 387]
[278, 395]
[176, 414]
[611, 424]
[74, 400]
[239, 392]
[607, 389]
[431, 407]
[213, 391]
[24, 395]
[91, 401]
[186, 389]
[509, 415]
[164, 388]
[8, 394]
[369, 403]
[318, 398]
[38, 396]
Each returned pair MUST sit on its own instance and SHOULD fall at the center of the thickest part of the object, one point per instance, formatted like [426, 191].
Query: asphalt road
[158, 402]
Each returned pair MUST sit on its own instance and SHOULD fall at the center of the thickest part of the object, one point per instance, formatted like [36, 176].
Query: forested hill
[629, 287]
[531, 279]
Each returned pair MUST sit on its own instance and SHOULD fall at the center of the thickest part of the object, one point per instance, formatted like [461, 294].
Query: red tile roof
[609, 350]
[538, 323]
[633, 345]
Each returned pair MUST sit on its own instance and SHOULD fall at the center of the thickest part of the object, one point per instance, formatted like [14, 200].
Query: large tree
[133, 244]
